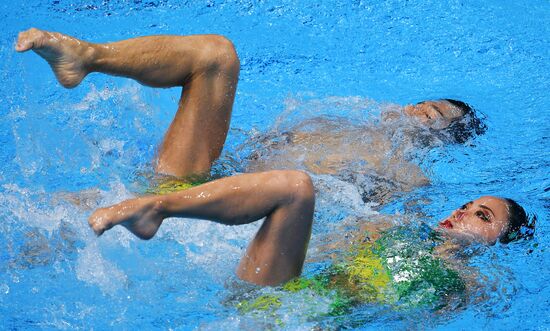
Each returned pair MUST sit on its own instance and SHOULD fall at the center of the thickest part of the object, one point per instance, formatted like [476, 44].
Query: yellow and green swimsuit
[168, 184]
[398, 269]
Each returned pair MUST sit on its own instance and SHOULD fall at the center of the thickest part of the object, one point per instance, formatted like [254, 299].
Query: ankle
[91, 56]
[158, 207]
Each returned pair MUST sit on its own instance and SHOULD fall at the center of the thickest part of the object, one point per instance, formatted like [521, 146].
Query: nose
[458, 214]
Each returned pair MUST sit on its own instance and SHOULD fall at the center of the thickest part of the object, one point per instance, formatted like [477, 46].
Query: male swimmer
[373, 155]
[207, 69]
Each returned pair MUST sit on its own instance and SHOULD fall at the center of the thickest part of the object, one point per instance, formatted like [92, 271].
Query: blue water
[100, 136]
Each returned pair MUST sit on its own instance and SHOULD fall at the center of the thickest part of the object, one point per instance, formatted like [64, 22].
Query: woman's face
[482, 220]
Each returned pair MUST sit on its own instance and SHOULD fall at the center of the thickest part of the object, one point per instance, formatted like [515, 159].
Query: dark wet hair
[465, 127]
[462, 128]
[520, 225]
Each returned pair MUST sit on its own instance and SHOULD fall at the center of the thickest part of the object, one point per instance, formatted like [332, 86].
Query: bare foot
[140, 216]
[68, 57]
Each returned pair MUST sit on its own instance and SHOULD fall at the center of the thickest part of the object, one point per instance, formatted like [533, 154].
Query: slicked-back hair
[520, 225]
[467, 126]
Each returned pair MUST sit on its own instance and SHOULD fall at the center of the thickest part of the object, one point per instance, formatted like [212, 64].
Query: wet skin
[435, 113]
[206, 67]
[482, 220]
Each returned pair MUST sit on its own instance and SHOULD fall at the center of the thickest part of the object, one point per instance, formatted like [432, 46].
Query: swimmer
[207, 68]
[375, 156]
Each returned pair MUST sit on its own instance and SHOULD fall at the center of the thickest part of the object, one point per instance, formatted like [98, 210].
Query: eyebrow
[489, 209]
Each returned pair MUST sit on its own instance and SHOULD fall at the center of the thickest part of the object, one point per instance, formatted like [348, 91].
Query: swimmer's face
[439, 113]
[483, 220]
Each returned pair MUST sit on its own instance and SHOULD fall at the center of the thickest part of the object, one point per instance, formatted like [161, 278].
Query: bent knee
[222, 54]
[301, 186]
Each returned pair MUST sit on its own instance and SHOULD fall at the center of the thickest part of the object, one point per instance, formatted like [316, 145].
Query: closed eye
[438, 110]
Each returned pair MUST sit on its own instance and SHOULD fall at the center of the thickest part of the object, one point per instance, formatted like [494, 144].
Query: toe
[23, 45]
[29, 39]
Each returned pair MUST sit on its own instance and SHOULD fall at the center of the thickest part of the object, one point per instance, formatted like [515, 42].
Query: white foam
[92, 268]
[298, 107]
[216, 248]
[23, 205]
[95, 96]
[109, 145]
[333, 193]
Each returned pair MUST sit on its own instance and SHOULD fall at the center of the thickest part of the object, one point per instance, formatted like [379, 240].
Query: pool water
[336, 57]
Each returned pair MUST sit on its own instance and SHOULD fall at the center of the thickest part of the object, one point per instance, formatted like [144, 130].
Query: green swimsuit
[398, 269]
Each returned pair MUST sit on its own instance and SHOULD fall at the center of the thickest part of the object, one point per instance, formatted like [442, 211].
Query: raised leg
[206, 66]
[285, 198]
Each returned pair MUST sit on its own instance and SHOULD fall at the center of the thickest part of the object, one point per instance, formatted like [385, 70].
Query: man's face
[482, 220]
[437, 114]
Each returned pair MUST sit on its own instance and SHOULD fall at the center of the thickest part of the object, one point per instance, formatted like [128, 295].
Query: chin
[462, 237]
